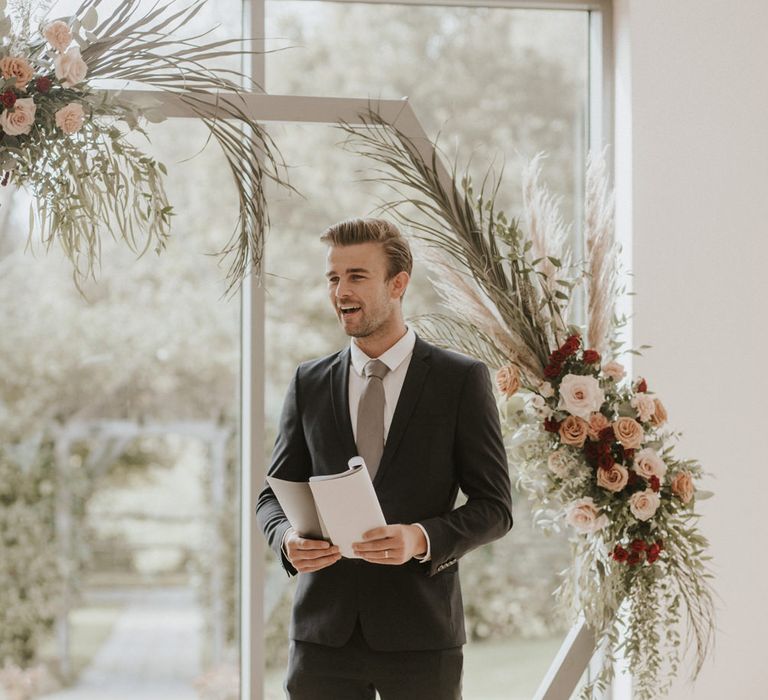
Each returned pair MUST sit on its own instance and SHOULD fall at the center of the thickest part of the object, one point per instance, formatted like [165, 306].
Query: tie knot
[375, 368]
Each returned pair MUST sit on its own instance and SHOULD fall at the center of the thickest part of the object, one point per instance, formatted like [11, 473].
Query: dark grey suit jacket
[444, 435]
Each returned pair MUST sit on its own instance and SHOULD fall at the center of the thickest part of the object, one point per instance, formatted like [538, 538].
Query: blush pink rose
[644, 405]
[70, 67]
[648, 463]
[508, 380]
[580, 395]
[659, 416]
[582, 515]
[628, 432]
[58, 35]
[573, 431]
[614, 370]
[19, 120]
[613, 479]
[16, 67]
[644, 504]
[682, 486]
[70, 118]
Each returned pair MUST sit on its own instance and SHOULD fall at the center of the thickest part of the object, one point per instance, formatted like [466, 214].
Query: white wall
[692, 140]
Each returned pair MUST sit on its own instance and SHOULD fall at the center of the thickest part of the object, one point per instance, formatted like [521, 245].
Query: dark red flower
[619, 553]
[571, 345]
[629, 454]
[551, 371]
[43, 84]
[8, 98]
[633, 478]
[551, 425]
[591, 357]
[606, 435]
[634, 558]
[557, 357]
[655, 483]
[605, 461]
[590, 453]
[642, 386]
[638, 545]
[653, 553]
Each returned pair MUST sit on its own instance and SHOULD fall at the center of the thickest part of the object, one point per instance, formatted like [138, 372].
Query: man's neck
[376, 345]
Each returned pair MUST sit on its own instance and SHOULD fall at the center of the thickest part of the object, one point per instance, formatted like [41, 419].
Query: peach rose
[644, 504]
[682, 486]
[628, 432]
[58, 35]
[70, 118]
[644, 405]
[573, 431]
[508, 380]
[583, 515]
[20, 119]
[659, 416]
[597, 421]
[580, 395]
[613, 479]
[70, 67]
[559, 463]
[16, 67]
[614, 370]
[647, 464]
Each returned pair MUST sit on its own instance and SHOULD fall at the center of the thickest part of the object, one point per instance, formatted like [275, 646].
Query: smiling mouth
[349, 310]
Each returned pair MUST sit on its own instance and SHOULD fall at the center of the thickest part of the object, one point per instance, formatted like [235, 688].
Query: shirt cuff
[282, 544]
[428, 555]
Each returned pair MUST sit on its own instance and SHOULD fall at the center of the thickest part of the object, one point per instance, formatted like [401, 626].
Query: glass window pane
[119, 415]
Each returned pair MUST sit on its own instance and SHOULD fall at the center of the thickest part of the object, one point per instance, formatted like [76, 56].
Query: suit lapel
[409, 395]
[340, 403]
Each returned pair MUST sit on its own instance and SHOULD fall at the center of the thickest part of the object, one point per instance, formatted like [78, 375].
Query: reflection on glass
[495, 83]
[119, 418]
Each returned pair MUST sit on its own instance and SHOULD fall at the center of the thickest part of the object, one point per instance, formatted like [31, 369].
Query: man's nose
[341, 290]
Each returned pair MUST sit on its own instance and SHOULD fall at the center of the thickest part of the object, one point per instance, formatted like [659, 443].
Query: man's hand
[309, 555]
[392, 544]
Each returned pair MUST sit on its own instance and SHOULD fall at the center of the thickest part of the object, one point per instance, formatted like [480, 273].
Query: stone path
[153, 652]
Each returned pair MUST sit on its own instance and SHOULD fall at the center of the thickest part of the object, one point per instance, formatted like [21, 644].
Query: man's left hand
[392, 544]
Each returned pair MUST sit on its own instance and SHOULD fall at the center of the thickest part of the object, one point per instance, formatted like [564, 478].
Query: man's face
[362, 297]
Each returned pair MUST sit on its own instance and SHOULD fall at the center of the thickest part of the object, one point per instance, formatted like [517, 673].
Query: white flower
[644, 504]
[648, 463]
[583, 516]
[644, 405]
[70, 67]
[540, 406]
[559, 463]
[20, 119]
[580, 395]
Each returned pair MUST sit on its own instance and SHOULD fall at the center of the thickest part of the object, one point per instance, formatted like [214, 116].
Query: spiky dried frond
[602, 255]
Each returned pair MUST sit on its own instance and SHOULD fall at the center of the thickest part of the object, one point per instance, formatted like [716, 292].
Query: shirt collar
[392, 358]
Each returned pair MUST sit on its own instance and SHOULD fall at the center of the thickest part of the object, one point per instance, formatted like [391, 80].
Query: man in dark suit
[426, 422]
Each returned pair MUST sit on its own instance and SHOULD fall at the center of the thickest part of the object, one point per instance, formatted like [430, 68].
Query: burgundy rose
[620, 554]
[633, 477]
[655, 483]
[551, 425]
[605, 460]
[590, 453]
[8, 98]
[606, 435]
[638, 545]
[642, 386]
[551, 371]
[43, 84]
[629, 454]
[634, 558]
[591, 357]
[557, 357]
[653, 553]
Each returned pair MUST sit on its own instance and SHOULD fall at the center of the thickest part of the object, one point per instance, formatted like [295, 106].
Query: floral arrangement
[70, 145]
[590, 446]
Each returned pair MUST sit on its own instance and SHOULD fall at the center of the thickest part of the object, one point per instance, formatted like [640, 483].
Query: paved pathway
[153, 652]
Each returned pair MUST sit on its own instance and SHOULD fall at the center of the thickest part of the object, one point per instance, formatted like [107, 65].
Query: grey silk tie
[370, 416]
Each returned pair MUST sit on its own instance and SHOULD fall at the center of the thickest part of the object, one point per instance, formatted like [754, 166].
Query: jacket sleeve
[290, 461]
[481, 466]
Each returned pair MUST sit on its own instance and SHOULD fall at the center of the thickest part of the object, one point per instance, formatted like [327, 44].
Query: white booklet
[337, 507]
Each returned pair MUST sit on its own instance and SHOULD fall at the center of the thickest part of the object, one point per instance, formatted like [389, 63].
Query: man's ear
[399, 284]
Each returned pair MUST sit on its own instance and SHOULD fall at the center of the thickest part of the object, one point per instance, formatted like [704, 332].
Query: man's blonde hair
[354, 231]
